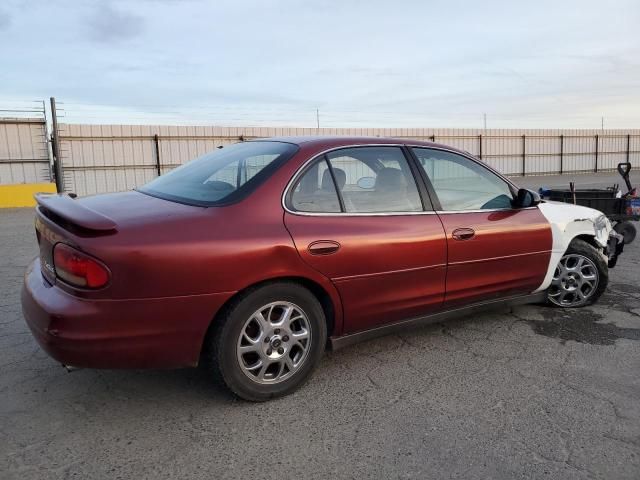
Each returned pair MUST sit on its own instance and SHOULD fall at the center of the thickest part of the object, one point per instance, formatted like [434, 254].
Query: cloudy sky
[360, 63]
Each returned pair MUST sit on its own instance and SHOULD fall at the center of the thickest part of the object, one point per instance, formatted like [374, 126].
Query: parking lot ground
[532, 392]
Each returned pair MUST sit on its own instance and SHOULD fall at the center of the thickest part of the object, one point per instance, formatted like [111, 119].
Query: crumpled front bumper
[615, 246]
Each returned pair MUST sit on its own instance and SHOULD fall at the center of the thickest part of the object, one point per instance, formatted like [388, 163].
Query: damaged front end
[614, 248]
[611, 240]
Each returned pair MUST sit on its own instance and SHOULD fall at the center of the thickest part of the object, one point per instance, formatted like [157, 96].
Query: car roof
[345, 141]
[331, 142]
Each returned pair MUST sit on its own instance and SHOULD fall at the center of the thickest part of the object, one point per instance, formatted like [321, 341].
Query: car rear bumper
[140, 333]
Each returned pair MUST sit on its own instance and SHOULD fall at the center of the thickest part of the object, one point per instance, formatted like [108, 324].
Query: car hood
[568, 221]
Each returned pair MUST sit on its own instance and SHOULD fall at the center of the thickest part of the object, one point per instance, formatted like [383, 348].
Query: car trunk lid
[82, 222]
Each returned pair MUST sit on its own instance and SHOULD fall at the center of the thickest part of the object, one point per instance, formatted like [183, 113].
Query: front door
[494, 250]
[356, 215]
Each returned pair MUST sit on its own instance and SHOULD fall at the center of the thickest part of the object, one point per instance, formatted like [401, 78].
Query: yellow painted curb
[21, 195]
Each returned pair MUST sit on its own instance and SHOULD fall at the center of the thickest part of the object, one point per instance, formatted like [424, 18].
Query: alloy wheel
[274, 342]
[574, 282]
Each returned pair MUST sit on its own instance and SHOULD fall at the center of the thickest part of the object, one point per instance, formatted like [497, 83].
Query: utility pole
[602, 123]
[484, 115]
[318, 119]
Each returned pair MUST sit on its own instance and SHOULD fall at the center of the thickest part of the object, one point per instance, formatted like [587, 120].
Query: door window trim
[423, 193]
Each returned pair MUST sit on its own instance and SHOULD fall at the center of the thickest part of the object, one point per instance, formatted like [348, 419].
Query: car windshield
[223, 176]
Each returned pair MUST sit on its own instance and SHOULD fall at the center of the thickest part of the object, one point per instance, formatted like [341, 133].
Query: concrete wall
[24, 156]
[107, 158]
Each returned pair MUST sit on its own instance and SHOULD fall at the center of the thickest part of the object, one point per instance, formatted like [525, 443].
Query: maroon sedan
[253, 258]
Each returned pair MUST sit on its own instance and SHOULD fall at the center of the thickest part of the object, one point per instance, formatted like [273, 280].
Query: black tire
[580, 247]
[627, 230]
[220, 354]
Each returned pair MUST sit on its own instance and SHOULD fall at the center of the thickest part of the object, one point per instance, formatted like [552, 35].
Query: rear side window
[223, 176]
[365, 179]
[316, 191]
[375, 180]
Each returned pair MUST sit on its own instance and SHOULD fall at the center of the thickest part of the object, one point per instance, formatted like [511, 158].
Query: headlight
[602, 227]
[602, 223]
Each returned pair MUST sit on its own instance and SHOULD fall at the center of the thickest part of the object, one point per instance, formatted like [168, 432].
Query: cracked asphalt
[532, 392]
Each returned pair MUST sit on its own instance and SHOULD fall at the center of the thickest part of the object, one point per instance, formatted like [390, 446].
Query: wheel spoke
[562, 296]
[264, 323]
[254, 366]
[285, 317]
[253, 347]
[289, 363]
[251, 340]
[299, 336]
[263, 370]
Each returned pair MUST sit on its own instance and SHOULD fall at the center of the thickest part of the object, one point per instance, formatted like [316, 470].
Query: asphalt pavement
[532, 392]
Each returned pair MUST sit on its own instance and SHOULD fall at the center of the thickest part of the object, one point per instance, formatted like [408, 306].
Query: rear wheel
[580, 277]
[627, 230]
[267, 342]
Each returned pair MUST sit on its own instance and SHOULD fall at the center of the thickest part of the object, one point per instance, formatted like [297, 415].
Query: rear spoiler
[72, 211]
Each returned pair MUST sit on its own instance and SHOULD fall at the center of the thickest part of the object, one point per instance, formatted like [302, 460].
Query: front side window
[366, 179]
[222, 176]
[461, 184]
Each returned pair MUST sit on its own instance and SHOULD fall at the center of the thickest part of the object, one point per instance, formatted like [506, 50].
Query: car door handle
[323, 247]
[463, 233]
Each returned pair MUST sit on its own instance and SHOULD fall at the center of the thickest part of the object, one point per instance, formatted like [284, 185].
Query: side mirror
[526, 198]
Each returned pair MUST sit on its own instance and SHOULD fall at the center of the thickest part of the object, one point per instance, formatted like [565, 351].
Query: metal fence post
[628, 146]
[47, 137]
[561, 154]
[480, 146]
[156, 142]
[524, 154]
[596, 167]
[55, 148]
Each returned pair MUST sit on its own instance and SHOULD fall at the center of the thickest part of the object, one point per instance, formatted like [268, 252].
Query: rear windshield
[223, 176]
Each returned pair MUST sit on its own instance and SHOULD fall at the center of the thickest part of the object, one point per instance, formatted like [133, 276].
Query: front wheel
[267, 342]
[580, 277]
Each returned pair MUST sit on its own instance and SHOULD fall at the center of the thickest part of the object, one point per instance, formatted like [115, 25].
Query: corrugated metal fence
[24, 154]
[108, 158]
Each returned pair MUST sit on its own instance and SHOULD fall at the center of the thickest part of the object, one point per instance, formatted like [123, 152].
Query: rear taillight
[77, 268]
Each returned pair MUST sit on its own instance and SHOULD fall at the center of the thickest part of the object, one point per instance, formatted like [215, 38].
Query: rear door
[494, 249]
[357, 216]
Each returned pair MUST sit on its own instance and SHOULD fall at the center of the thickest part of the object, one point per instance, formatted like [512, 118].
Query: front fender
[567, 222]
